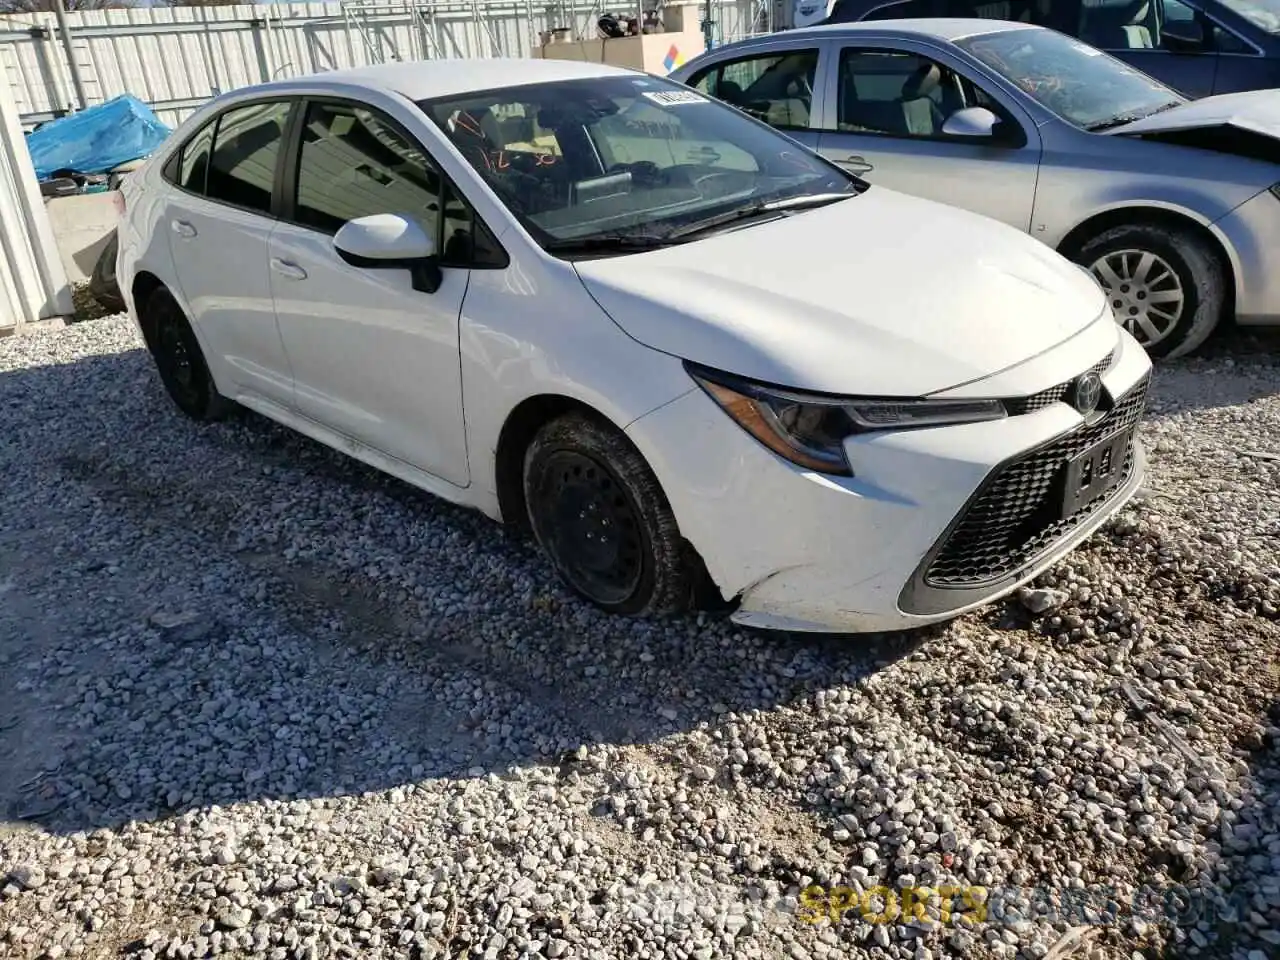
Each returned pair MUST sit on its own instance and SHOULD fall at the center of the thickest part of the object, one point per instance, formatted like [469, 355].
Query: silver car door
[886, 104]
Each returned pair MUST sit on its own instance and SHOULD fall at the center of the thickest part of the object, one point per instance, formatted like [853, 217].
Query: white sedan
[699, 362]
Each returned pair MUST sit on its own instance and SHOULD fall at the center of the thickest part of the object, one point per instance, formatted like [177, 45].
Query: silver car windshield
[630, 160]
[1263, 13]
[1079, 83]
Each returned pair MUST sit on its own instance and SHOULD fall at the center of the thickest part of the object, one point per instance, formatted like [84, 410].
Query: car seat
[911, 112]
[920, 114]
[477, 135]
[792, 108]
[1117, 24]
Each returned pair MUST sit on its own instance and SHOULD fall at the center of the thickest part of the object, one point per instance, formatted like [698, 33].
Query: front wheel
[598, 511]
[1167, 286]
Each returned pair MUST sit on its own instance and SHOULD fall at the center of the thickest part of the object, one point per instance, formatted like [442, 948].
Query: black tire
[1199, 272]
[102, 283]
[599, 513]
[179, 359]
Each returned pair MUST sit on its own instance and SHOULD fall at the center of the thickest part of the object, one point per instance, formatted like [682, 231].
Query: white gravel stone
[257, 700]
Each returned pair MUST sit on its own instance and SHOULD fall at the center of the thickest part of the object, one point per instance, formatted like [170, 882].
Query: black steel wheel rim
[177, 363]
[592, 530]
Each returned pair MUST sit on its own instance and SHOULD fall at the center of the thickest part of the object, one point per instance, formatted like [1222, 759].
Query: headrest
[921, 83]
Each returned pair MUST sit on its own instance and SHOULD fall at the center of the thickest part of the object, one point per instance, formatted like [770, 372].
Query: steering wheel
[525, 162]
[703, 184]
[1042, 84]
[800, 88]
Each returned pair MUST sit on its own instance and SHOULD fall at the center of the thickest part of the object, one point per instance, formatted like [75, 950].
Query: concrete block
[81, 227]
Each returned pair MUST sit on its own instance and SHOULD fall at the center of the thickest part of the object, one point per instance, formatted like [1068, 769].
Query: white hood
[1257, 111]
[882, 294]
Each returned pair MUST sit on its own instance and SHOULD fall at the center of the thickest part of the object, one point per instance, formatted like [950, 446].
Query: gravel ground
[257, 700]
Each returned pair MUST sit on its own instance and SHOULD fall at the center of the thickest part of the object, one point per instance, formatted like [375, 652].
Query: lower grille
[1015, 516]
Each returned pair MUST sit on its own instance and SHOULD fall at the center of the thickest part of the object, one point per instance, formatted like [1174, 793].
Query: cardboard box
[656, 53]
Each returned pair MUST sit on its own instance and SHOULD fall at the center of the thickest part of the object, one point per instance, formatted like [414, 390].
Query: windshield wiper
[1121, 119]
[804, 202]
[607, 243]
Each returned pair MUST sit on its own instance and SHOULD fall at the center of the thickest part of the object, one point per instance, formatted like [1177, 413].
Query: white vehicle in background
[681, 349]
[808, 13]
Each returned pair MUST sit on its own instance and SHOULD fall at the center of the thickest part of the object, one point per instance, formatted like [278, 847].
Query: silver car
[1173, 205]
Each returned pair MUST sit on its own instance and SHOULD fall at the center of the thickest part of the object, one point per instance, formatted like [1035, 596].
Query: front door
[372, 358]
[890, 104]
[1167, 39]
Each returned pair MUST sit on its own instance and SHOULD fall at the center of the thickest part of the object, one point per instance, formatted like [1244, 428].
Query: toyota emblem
[1087, 393]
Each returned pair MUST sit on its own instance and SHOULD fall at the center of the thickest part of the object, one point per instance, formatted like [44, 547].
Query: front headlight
[810, 429]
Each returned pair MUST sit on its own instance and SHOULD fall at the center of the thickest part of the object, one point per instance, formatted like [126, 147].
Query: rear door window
[775, 87]
[246, 146]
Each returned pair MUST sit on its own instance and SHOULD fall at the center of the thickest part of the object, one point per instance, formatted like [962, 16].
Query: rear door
[776, 83]
[1248, 56]
[885, 106]
[219, 220]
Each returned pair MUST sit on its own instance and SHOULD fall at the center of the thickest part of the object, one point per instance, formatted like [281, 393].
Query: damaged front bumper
[804, 551]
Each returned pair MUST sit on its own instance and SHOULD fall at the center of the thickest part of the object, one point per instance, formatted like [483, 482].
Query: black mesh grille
[1016, 515]
[1047, 398]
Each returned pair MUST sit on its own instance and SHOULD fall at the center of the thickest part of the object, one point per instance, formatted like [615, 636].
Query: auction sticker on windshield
[671, 98]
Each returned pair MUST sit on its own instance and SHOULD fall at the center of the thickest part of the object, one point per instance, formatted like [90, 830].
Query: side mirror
[1182, 35]
[390, 241]
[973, 123]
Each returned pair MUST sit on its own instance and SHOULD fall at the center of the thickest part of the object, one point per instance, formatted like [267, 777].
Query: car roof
[428, 79]
[939, 28]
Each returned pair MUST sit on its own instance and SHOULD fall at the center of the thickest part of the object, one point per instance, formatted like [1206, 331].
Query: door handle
[286, 269]
[183, 229]
[856, 164]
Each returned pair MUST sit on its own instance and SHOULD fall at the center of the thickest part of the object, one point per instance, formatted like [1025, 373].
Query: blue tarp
[96, 139]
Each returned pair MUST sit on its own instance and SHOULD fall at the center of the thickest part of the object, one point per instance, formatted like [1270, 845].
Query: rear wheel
[179, 359]
[1166, 285]
[597, 510]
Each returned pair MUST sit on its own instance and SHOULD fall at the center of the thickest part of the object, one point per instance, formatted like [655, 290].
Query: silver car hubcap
[1144, 291]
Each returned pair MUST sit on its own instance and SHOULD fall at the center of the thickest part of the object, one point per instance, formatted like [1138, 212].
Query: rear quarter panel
[143, 245]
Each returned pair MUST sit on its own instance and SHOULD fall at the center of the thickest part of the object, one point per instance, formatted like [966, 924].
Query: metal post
[708, 24]
[77, 81]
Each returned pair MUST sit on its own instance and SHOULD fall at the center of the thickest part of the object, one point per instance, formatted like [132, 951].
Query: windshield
[1263, 13]
[628, 158]
[1082, 85]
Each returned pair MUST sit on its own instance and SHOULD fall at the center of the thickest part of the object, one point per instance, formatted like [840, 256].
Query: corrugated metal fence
[33, 283]
[175, 58]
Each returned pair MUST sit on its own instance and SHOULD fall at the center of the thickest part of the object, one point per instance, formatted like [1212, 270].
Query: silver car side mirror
[974, 122]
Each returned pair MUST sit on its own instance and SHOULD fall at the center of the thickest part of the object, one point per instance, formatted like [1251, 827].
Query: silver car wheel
[1144, 291]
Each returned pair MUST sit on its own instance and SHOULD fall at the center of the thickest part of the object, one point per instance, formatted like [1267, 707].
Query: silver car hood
[1257, 111]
